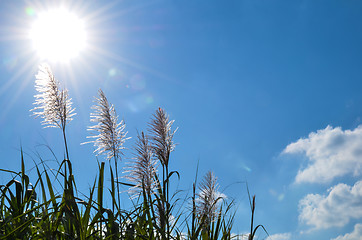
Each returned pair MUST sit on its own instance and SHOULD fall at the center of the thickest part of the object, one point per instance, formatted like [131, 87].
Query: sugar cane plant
[50, 207]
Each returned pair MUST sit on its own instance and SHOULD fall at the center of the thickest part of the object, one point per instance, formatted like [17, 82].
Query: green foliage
[41, 211]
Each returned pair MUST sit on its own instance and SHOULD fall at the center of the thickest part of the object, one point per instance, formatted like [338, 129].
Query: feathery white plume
[161, 135]
[54, 104]
[208, 197]
[143, 169]
[110, 135]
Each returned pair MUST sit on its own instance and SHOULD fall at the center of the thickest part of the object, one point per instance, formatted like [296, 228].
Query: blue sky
[263, 91]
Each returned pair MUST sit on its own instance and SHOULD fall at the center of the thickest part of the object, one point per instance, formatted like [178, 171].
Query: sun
[58, 35]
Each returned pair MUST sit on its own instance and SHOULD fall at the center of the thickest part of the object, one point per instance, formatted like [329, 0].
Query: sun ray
[25, 73]
[23, 70]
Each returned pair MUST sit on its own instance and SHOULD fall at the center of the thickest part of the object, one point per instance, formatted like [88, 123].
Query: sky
[267, 92]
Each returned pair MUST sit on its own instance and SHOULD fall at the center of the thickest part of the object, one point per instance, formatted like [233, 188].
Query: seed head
[143, 168]
[208, 197]
[161, 135]
[53, 104]
[109, 134]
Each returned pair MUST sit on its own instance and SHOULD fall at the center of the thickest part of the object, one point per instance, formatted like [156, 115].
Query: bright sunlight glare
[58, 35]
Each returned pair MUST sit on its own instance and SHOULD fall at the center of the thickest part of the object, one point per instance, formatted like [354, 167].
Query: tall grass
[48, 206]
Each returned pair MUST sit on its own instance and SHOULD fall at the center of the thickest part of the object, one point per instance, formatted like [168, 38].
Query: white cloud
[342, 204]
[280, 236]
[331, 153]
[355, 235]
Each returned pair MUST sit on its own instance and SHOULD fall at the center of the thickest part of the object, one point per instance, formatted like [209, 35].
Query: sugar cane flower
[161, 135]
[52, 103]
[109, 135]
[208, 197]
[142, 169]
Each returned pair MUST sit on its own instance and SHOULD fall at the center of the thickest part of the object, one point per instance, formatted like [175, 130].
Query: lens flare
[112, 72]
[30, 11]
[137, 82]
[10, 62]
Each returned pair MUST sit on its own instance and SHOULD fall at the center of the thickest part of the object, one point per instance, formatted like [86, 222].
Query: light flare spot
[138, 82]
[112, 72]
[10, 62]
[30, 11]
[140, 102]
[149, 99]
[247, 169]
